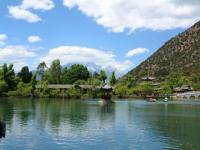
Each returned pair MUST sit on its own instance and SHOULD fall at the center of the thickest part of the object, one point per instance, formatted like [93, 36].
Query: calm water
[135, 125]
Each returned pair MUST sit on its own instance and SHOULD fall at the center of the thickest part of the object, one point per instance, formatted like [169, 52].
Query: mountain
[179, 54]
[92, 67]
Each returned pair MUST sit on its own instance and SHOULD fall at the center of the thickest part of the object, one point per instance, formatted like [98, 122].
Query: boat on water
[166, 99]
[151, 100]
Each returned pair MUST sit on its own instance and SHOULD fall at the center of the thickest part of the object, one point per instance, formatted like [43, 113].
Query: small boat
[151, 100]
[166, 99]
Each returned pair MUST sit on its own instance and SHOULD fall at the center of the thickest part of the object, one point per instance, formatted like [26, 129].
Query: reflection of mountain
[181, 124]
[176, 124]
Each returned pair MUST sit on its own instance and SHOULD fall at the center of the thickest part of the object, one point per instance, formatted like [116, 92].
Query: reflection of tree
[6, 111]
[42, 111]
[60, 111]
[55, 112]
[108, 108]
[107, 112]
[77, 113]
[2, 129]
[26, 109]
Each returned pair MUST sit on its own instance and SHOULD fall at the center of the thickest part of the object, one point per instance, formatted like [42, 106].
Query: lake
[87, 125]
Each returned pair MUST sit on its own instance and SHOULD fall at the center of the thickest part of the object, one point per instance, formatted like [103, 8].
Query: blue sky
[116, 35]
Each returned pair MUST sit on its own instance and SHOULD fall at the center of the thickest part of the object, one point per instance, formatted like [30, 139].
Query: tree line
[24, 82]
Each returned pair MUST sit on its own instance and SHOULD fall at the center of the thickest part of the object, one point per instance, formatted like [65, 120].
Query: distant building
[148, 78]
[182, 89]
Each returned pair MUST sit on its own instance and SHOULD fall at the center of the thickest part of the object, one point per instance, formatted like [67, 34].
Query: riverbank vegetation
[23, 83]
[165, 85]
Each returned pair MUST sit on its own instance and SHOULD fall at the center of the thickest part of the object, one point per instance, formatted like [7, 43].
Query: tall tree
[55, 72]
[42, 66]
[41, 70]
[102, 76]
[8, 75]
[64, 75]
[77, 72]
[33, 83]
[25, 74]
[113, 79]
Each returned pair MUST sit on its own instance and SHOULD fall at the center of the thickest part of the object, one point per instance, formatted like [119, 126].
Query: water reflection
[74, 124]
[2, 129]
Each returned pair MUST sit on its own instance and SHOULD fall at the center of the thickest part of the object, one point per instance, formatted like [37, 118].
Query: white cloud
[3, 37]
[121, 15]
[17, 55]
[136, 51]
[84, 55]
[34, 39]
[37, 4]
[23, 12]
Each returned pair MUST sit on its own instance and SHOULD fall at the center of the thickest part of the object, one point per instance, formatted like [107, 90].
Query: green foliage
[113, 79]
[33, 83]
[64, 75]
[44, 91]
[8, 75]
[80, 82]
[95, 81]
[165, 88]
[3, 87]
[130, 80]
[55, 93]
[77, 72]
[143, 89]
[96, 75]
[23, 90]
[177, 80]
[74, 93]
[102, 76]
[120, 91]
[25, 75]
[55, 72]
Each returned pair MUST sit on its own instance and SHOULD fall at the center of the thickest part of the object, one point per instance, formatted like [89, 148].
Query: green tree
[42, 66]
[120, 91]
[8, 75]
[166, 89]
[3, 87]
[55, 72]
[33, 83]
[77, 72]
[64, 75]
[177, 80]
[41, 70]
[130, 80]
[113, 79]
[102, 76]
[25, 74]
[95, 75]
